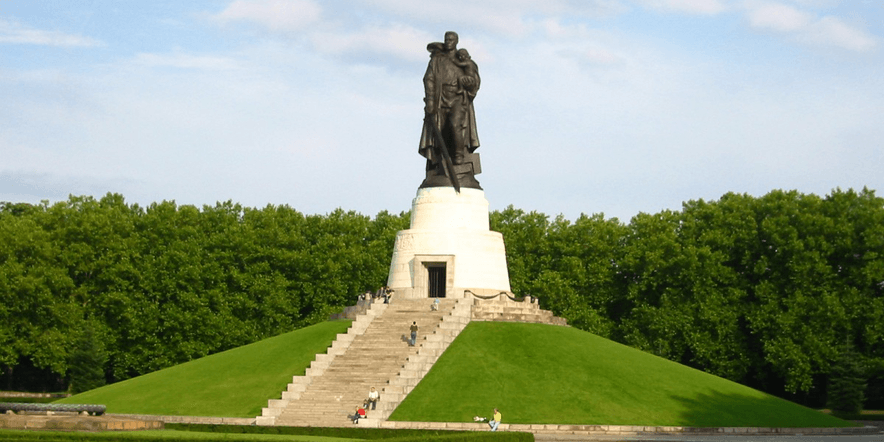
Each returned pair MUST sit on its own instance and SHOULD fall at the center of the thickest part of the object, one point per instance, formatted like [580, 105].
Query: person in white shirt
[373, 397]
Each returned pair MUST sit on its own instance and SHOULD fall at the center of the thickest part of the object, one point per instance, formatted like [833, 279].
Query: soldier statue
[449, 135]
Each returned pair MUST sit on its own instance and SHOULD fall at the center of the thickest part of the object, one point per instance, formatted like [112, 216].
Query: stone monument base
[449, 248]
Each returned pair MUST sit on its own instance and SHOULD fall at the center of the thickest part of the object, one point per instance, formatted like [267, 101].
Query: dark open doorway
[436, 282]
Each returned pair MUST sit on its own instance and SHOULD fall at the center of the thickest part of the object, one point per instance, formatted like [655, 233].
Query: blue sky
[590, 106]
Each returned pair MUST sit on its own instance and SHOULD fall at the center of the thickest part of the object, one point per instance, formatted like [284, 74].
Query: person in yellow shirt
[495, 420]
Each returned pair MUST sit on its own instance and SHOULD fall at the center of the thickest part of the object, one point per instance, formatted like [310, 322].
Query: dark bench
[17, 407]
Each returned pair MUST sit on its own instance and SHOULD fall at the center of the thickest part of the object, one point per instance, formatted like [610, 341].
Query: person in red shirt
[360, 414]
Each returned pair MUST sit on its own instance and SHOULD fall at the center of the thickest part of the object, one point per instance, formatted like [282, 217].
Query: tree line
[150, 287]
[775, 292]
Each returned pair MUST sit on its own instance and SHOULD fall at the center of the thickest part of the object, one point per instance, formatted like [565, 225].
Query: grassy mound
[534, 373]
[557, 375]
[234, 383]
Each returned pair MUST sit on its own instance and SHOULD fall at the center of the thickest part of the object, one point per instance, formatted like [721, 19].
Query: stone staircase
[373, 353]
[353, 311]
[430, 347]
[504, 308]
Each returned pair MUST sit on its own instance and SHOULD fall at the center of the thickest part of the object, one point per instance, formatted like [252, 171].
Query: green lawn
[234, 383]
[547, 374]
[534, 373]
[156, 435]
[263, 434]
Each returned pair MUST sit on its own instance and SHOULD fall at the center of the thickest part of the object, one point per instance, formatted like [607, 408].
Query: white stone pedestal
[449, 230]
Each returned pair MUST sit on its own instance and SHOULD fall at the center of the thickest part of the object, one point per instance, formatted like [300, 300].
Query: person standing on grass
[414, 329]
[495, 420]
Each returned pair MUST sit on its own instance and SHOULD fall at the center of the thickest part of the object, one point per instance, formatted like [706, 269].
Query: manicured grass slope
[557, 375]
[234, 383]
[533, 373]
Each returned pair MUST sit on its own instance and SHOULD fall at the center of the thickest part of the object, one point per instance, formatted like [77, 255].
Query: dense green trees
[763, 291]
[165, 284]
[766, 291]
[86, 366]
[847, 383]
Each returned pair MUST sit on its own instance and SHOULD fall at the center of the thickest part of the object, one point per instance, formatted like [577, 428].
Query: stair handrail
[508, 295]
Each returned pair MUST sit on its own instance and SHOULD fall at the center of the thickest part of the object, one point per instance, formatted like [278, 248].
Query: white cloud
[834, 32]
[793, 19]
[402, 41]
[360, 40]
[276, 15]
[499, 17]
[592, 47]
[186, 61]
[806, 27]
[598, 56]
[555, 29]
[778, 17]
[16, 33]
[702, 7]
[513, 18]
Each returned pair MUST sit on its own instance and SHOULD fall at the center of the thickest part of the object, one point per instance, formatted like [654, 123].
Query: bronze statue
[449, 136]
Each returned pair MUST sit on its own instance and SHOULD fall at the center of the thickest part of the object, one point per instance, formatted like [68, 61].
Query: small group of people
[384, 293]
[372, 401]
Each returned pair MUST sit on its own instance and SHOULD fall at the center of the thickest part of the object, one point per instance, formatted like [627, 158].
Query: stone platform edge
[189, 419]
[76, 422]
[628, 430]
[613, 430]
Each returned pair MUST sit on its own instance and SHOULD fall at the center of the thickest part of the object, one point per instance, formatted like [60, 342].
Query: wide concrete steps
[505, 310]
[374, 355]
[430, 348]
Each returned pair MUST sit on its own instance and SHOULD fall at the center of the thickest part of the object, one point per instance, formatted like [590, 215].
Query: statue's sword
[443, 150]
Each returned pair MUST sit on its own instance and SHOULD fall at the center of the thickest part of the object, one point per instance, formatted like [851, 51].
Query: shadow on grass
[737, 410]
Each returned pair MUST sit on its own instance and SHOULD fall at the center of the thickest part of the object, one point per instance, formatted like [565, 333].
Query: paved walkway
[722, 438]
[872, 432]
[637, 433]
